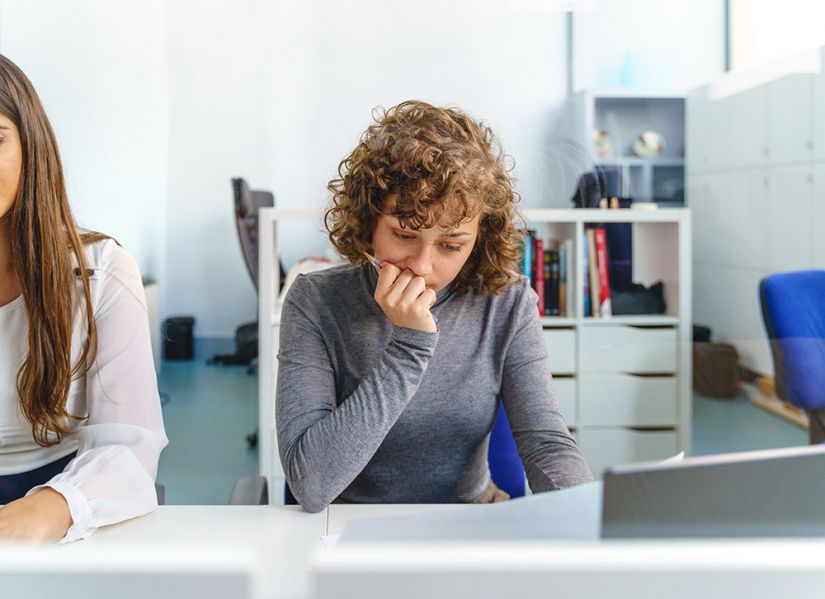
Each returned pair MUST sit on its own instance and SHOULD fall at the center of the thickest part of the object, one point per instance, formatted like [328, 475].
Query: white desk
[282, 548]
[339, 515]
[271, 546]
[756, 569]
[547, 546]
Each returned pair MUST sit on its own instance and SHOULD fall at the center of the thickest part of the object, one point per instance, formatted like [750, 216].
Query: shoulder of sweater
[510, 298]
[334, 278]
[322, 285]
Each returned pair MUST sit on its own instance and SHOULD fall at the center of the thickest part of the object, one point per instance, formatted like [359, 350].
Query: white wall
[502, 62]
[764, 31]
[157, 104]
[221, 60]
[100, 69]
[642, 44]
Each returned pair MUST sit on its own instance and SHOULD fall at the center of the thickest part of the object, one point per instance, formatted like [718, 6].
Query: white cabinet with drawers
[624, 348]
[624, 383]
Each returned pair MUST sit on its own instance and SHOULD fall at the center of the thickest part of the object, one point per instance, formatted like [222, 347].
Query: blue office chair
[506, 468]
[793, 309]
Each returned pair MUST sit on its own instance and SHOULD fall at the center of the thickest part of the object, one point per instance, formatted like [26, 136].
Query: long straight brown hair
[44, 238]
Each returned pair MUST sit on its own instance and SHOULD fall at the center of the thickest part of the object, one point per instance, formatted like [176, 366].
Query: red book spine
[538, 269]
[605, 309]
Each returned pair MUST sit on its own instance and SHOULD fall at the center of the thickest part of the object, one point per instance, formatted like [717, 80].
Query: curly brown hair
[431, 163]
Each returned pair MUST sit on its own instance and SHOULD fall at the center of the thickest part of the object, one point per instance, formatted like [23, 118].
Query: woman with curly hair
[80, 421]
[391, 368]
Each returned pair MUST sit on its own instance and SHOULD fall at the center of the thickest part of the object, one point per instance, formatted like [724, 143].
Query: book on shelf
[547, 264]
[593, 274]
[563, 278]
[527, 255]
[547, 280]
[619, 254]
[605, 309]
[538, 268]
[570, 278]
[586, 272]
[551, 283]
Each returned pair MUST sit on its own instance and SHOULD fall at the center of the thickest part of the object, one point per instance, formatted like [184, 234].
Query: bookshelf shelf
[636, 161]
[632, 321]
[558, 321]
[608, 372]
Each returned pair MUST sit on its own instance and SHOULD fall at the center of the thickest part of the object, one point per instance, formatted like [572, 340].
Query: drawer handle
[650, 375]
[652, 429]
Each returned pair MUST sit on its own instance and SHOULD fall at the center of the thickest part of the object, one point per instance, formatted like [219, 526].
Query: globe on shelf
[649, 144]
[602, 144]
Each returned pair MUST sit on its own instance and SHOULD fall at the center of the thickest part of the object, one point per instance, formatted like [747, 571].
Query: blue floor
[725, 425]
[211, 409]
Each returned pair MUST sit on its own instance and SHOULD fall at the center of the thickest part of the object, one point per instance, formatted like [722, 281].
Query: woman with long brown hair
[81, 428]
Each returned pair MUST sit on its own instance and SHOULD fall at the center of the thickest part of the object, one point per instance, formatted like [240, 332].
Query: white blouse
[120, 436]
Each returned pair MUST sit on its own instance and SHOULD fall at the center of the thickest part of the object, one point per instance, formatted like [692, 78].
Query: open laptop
[777, 492]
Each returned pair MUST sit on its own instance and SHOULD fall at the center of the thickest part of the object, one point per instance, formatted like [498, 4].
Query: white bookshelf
[624, 383]
[624, 114]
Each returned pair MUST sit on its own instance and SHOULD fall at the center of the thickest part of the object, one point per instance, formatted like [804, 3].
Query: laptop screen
[778, 492]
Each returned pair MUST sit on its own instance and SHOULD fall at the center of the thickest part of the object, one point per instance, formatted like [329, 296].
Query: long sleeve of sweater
[323, 448]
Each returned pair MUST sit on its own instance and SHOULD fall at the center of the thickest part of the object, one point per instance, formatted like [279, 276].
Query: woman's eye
[451, 248]
[402, 236]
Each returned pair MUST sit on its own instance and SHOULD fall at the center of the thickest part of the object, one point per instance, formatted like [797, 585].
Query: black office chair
[247, 203]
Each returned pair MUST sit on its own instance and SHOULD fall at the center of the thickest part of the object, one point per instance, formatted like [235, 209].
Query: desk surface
[284, 546]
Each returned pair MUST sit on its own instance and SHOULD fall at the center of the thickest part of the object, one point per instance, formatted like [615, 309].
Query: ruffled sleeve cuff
[83, 524]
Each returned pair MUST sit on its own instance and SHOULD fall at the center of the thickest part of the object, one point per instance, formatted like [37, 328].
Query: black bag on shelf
[638, 299]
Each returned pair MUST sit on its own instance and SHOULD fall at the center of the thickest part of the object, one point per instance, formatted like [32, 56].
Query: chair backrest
[506, 468]
[247, 203]
[793, 309]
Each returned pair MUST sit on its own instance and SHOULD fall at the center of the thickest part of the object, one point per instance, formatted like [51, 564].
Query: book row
[549, 266]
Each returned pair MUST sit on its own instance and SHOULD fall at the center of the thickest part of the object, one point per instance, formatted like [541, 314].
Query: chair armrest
[250, 490]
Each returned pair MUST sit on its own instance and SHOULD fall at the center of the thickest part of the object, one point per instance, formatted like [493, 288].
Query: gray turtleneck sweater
[374, 413]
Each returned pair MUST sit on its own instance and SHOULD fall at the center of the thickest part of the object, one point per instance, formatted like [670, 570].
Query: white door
[790, 138]
[790, 238]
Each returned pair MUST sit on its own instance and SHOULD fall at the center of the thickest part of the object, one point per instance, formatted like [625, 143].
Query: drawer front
[566, 393]
[627, 400]
[605, 447]
[561, 347]
[627, 349]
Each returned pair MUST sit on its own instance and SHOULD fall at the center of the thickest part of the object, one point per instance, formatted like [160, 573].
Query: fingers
[406, 290]
[405, 298]
[398, 287]
[386, 277]
[424, 301]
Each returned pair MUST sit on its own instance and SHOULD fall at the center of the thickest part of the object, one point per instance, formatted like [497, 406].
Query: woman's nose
[421, 262]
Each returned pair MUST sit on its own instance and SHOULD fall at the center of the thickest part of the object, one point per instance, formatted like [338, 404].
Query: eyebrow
[4, 127]
[450, 235]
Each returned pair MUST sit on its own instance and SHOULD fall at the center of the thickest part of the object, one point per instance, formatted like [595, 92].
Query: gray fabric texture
[374, 413]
